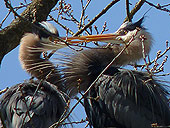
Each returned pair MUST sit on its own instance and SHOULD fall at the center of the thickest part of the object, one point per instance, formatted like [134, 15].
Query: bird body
[119, 98]
[127, 99]
[30, 52]
[92, 62]
[24, 107]
[35, 104]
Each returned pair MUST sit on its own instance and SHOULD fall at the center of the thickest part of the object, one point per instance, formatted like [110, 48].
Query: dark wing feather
[134, 99]
[47, 107]
[120, 98]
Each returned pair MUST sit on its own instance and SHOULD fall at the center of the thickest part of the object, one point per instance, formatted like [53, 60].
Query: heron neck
[88, 64]
[136, 50]
[30, 57]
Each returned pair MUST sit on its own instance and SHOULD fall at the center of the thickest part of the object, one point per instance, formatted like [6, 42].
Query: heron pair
[117, 97]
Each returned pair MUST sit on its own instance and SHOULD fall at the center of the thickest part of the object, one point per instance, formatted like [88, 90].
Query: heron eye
[123, 32]
[50, 38]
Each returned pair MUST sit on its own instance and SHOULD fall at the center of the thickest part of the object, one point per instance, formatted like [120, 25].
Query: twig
[165, 5]
[3, 91]
[135, 9]
[5, 19]
[8, 5]
[159, 56]
[76, 122]
[82, 14]
[64, 27]
[166, 74]
[97, 17]
[159, 7]
[127, 11]
[82, 17]
[31, 102]
[104, 28]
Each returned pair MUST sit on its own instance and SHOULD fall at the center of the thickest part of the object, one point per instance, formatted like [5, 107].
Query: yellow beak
[103, 38]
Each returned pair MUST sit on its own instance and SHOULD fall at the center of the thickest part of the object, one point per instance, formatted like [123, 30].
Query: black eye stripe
[130, 27]
[133, 26]
[45, 31]
[43, 34]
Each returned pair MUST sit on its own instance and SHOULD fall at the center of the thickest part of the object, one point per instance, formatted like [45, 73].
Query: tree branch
[158, 6]
[127, 10]
[10, 36]
[135, 9]
[97, 17]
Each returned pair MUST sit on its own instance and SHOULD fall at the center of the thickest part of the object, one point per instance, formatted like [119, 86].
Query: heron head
[48, 36]
[129, 26]
[46, 31]
[128, 30]
[123, 35]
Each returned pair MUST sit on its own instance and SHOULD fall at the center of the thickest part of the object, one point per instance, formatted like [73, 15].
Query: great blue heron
[30, 52]
[23, 106]
[119, 97]
[35, 104]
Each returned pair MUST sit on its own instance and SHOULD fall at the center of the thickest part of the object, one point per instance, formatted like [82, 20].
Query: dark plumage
[120, 97]
[32, 45]
[128, 99]
[47, 105]
[48, 102]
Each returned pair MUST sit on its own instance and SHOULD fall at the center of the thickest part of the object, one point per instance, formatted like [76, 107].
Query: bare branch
[135, 9]
[3, 91]
[127, 10]
[64, 27]
[10, 36]
[158, 6]
[97, 17]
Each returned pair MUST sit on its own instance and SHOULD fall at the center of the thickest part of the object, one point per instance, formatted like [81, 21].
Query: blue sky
[157, 22]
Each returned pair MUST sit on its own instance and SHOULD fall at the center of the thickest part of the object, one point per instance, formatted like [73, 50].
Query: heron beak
[108, 38]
